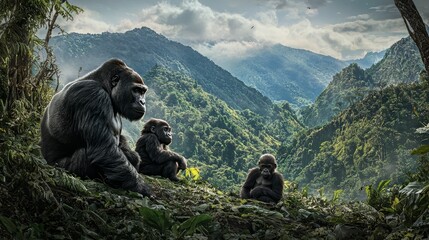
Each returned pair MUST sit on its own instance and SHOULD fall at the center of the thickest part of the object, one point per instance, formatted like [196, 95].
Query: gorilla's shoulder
[254, 170]
[147, 137]
[82, 88]
[85, 93]
[277, 175]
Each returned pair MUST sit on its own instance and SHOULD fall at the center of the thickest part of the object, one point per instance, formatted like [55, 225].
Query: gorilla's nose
[142, 102]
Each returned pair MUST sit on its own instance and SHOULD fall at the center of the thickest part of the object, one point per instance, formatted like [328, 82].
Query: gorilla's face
[128, 94]
[267, 166]
[164, 133]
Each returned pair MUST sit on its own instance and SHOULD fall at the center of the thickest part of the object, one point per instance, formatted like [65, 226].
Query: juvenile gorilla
[152, 147]
[81, 127]
[263, 183]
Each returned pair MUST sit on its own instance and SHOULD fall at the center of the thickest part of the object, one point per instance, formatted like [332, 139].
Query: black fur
[152, 147]
[81, 127]
[264, 183]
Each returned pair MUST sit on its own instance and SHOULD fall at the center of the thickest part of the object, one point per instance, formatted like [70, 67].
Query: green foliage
[336, 196]
[192, 225]
[157, 219]
[401, 64]
[349, 86]
[414, 203]
[421, 150]
[22, 72]
[367, 143]
[377, 197]
[192, 173]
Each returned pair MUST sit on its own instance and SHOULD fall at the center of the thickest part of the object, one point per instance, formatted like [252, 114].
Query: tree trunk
[416, 28]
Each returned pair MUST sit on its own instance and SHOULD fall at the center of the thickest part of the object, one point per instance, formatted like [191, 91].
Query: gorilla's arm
[132, 156]
[149, 142]
[275, 193]
[250, 182]
[97, 124]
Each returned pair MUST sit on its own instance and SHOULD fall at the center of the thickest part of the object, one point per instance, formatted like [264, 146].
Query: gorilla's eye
[265, 166]
[138, 90]
[115, 80]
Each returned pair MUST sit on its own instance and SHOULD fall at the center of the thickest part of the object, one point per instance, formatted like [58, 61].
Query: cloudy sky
[225, 29]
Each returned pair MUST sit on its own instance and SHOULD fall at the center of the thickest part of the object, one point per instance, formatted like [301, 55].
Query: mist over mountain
[283, 73]
[369, 59]
[142, 49]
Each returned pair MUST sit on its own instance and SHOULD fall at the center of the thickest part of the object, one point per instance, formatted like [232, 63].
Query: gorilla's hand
[259, 191]
[182, 163]
[144, 190]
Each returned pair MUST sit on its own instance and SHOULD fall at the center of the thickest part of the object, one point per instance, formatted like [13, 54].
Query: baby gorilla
[152, 147]
[263, 183]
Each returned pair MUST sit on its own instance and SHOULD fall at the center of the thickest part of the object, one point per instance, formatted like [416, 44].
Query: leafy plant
[163, 222]
[158, 219]
[414, 201]
[192, 225]
[377, 197]
[336, 195]
[193, 173]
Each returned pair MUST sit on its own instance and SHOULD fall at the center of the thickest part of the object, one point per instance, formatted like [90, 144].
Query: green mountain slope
[368, 142]
[401, 64]
[284, 73]
[347, 87]
[223, 142]
[142, 49]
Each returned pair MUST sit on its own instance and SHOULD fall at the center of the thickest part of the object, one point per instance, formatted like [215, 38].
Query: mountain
[142, 49]
[366, 143]
[401, 64]
[369, 59]
[284, 73]
[347, 87]
[221, 141]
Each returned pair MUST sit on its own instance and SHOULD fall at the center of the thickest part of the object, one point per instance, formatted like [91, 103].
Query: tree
[22, 73]
[416, 28]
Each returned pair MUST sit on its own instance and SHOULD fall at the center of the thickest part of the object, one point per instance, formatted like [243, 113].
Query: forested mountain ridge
[142, 49]
[285, 73]
[347, 87]
[369, 59]
[368, 142]
[223, 142]
[401, 64]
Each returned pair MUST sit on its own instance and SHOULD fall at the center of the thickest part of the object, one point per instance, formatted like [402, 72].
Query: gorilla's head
[126, 87]
[267, 165]
[160, 128]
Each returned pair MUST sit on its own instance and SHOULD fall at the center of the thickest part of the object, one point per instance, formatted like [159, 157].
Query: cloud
[195, 22]
[284, 4]
[86, 22]
[371, 26]
[385, 8]
[228, 51]
[223, 36]
[359, 17]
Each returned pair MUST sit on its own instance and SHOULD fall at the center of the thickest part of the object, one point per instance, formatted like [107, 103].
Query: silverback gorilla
[152, 147]
[263, 183]
[81, 127]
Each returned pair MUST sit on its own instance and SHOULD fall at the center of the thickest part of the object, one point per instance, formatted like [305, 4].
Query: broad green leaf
[8, 223]
[421, 150]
